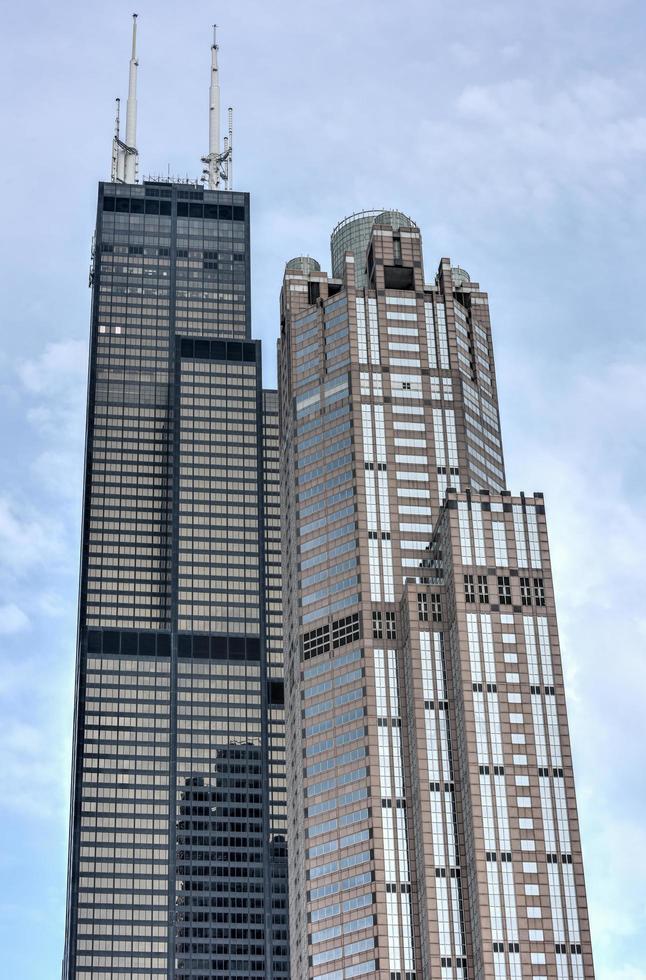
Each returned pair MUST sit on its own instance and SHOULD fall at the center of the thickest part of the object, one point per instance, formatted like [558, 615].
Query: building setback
[177, 856]
[431, 815]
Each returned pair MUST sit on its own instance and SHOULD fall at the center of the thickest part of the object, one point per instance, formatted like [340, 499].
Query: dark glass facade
[177, 850]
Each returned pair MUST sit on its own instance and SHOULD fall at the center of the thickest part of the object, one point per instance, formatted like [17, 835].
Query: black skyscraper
[177, 858]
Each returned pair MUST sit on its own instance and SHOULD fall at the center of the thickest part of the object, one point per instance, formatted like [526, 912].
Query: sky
[514, 133]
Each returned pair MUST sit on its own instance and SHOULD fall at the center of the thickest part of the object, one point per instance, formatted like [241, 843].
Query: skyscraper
[432, 818]
[177, 864]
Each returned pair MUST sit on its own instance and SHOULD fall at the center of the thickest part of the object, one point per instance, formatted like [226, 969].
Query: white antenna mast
[217, 162]
[125, 156]
[132, 155]
[214, 116]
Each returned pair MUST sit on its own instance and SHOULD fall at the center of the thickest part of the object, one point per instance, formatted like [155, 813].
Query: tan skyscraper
[432, 822]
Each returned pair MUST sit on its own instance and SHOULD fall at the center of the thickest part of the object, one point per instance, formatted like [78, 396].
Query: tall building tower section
[177, 852]
[431, 814]
[487, 733]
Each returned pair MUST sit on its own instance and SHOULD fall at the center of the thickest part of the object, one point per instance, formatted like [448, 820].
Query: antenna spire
[214, 115]
[218, 162]
[125, 156]
[131, 112]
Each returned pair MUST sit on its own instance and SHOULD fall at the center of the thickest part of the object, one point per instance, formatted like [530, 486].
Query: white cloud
[32, 763]
[511, 52]
[622, 973]
[12, 619]
[464, 55]
[60, 471]
[522, 144]
[35, 727]
[54, 604]
[62, 364]
[29, 538]
[54, 385]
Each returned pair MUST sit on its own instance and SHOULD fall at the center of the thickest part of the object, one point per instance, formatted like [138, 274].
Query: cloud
[54, 386]
[56, 605]
[464, 55]
[519, 144]
[36, 686]
[32, 764]
[510, 52]
[60, 471]
[62, 365]
[28, 538]
[624, 973]
[12, 619]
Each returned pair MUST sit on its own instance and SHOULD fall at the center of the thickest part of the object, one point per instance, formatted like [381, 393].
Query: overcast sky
[514, 133]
